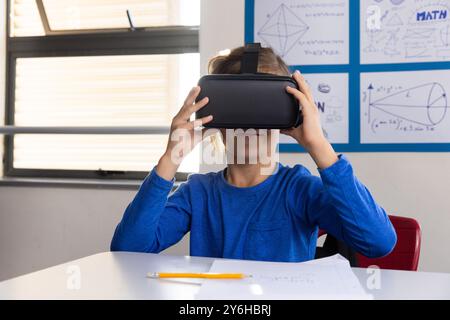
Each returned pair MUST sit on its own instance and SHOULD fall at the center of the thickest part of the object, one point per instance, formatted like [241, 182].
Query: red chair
[405, 255]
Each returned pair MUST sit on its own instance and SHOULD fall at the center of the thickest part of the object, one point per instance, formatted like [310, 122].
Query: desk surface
[121, 275]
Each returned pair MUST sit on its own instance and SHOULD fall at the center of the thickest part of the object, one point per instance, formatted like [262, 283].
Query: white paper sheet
[330, 278]
[304, 32]
[405, 107]
[399, 31]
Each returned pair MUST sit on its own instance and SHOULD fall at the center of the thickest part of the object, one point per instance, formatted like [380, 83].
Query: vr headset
[249, 99]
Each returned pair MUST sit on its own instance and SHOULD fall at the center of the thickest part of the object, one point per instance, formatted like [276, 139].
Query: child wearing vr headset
[242, 212]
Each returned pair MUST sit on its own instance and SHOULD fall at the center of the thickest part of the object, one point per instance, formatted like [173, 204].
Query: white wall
[40, 227]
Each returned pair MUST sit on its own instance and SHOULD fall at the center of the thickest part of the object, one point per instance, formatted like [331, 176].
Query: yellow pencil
[197, 275]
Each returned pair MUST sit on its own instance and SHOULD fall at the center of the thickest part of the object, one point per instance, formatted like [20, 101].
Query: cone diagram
[424, 104]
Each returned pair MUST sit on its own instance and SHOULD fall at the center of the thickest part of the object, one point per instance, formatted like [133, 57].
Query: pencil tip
[153, 275]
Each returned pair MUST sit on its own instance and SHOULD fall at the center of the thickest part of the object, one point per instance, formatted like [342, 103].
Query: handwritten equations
[331, 278]
[304, 32]
[405, 107]
[405, 31]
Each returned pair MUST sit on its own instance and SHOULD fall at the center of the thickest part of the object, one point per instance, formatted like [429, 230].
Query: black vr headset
[249, 99]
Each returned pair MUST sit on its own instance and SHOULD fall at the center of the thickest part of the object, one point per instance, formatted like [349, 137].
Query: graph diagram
[425, 104]
[283, 29]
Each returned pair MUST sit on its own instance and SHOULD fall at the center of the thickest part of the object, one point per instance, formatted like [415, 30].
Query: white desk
[121, 275]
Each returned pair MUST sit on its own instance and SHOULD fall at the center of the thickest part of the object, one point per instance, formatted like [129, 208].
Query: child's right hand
[183, 136]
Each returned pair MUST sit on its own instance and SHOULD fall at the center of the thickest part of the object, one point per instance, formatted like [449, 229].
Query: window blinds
[101, 14]
[25, 19]
[136, 90]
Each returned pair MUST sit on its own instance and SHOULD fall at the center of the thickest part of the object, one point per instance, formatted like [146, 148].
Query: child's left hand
[310, 134]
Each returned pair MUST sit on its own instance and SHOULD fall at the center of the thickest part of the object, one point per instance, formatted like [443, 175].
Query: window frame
[152, 40]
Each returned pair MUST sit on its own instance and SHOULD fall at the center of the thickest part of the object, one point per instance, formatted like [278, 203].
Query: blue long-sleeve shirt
[276, 220]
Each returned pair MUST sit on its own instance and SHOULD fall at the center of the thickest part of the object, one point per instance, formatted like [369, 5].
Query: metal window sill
[72, 183]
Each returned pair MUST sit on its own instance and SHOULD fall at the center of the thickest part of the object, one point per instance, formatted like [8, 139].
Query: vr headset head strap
[249, 62]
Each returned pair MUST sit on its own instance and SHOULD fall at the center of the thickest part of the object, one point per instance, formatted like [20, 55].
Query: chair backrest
[405, 255]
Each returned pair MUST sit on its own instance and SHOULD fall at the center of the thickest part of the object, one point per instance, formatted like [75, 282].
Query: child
[240, 212]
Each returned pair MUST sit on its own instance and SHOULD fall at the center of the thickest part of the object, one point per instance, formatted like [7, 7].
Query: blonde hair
[268, 62]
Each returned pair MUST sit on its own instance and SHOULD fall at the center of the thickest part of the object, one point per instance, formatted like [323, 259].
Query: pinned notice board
[379, 69]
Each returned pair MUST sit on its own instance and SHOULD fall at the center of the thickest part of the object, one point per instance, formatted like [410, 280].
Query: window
[32, 17]
[88, 97]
